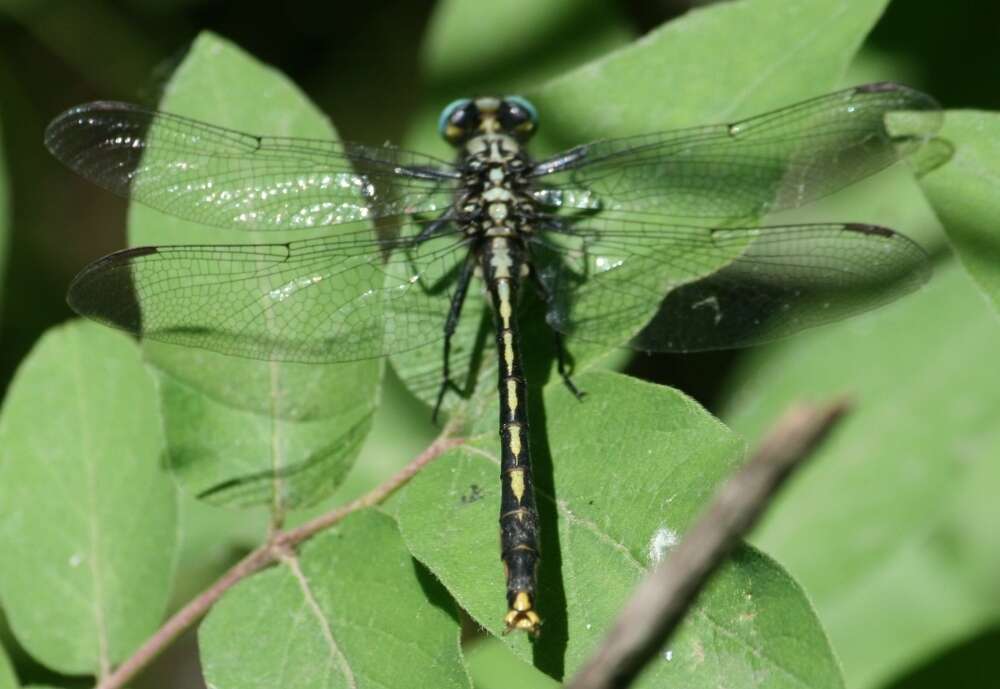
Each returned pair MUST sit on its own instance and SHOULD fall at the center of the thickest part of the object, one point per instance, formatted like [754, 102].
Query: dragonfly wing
[225, 178]
[746, 169]
[659, 287]
[312, 301]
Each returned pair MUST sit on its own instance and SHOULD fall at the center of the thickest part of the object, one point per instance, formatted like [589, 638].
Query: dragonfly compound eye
[458, 120]
[518, 116]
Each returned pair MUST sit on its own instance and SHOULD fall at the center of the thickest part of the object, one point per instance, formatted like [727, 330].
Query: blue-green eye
[449, 111]
[526, 105]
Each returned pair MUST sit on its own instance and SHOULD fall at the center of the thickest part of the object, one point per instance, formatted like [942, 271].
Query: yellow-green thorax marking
[495, 210]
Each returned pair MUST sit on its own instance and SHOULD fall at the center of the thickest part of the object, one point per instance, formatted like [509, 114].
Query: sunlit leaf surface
[87, 515]
[622, 476]
[352, 609]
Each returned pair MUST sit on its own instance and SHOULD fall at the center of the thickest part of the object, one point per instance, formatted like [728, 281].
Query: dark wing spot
[877, 87]
[133, 252]
[863, 228]
[105, 292]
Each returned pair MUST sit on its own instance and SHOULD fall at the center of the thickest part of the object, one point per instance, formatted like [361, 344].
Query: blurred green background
[368, 65]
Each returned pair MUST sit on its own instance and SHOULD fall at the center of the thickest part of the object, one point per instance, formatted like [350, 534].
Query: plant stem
[661, 600]
[268, 553]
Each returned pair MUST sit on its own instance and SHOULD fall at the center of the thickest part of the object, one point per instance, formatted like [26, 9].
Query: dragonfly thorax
[495, 199]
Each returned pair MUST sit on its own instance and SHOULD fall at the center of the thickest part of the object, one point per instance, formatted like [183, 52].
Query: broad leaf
[471, 45]
[492, 666]
[890, 527]
[351, 609]
[966, 195]
[242, 431]
[711, 65]
[87, 516]
[621, 477]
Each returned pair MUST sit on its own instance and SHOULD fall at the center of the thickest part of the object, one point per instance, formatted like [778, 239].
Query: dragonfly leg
[454, 312]
[432, 227]
[427, 172]
[560, 162]
[564, 366]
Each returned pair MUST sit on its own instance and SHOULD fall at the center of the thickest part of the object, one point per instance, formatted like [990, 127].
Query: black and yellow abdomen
[502, 264]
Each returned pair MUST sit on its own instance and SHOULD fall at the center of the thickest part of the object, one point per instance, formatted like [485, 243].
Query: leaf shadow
[437, 595]
[549, 649]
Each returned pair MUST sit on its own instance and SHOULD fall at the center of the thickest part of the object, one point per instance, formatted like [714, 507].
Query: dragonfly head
[468, 117]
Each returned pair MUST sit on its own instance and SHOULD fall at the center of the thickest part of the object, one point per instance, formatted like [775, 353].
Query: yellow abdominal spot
[508, 350]
[522, 602]
[512, 395]
[515, 440]
[503, 291]
[517, 483]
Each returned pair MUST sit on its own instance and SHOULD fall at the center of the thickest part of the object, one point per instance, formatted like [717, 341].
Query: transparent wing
[661, 287]
[333, 299]
[225, 178]
[779, 160]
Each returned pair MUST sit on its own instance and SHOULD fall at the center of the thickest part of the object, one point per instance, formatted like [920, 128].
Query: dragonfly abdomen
[501, 263]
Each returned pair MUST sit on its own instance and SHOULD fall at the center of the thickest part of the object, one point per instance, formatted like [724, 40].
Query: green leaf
[87, 516]
[938, 585]
[352, 609]
[492, 666]
[631, 466]
[241, 431]
[507, 46]
[965, 195]
[715, 64]
[890, 526]
[7, 678]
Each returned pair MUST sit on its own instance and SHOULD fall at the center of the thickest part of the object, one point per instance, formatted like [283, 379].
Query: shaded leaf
[887, 527]
[962, 666]
[493, 666]
[240, 431]
[622, 476]
[5, 216]
[86, 512]
[509, 46]
[689, 71]
[352, 609]
[966, 195]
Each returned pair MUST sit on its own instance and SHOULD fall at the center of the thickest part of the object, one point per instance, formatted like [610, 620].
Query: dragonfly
[651, 241]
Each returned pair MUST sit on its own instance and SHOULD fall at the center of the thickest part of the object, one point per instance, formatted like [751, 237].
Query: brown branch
[267, 554]
[660, 601]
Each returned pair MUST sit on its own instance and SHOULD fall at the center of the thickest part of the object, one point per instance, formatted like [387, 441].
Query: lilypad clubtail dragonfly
[649, 240]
